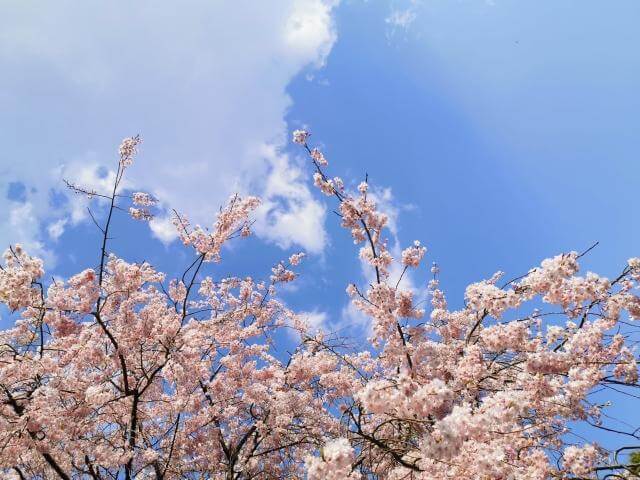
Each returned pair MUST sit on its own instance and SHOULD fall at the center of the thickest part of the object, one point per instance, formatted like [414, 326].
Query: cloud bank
[203, 82]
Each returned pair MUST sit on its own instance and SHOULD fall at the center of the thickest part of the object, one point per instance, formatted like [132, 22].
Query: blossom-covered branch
[120, 372]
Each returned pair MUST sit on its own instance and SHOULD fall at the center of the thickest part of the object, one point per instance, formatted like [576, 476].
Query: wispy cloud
[401, 17]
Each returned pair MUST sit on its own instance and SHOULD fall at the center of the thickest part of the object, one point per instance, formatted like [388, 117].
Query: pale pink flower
[296, 258]
[412, 256]
[142, 199]
[580, 460]
[318, 157]
[128, 149]
[140, 214]
[300, 137]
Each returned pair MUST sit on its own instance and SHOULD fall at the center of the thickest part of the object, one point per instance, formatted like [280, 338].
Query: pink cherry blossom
[318, 157]
[128, 149]
[300, 136]
[120, 371]
[143, 199]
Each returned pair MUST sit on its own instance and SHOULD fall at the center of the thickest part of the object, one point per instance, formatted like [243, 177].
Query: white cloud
[56, 229]
[163, 229]
[355, 321]
[401, 18]
[20, 221]
[402, 15]
[203, 82]
[315, 319]
[289, 213]
[351, 322]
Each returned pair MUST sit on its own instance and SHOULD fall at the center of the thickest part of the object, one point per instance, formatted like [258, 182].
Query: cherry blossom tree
[119, 372]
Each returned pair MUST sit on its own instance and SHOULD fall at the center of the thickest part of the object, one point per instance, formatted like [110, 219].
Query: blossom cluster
[232, 221]
[121, 372]
[128, 149]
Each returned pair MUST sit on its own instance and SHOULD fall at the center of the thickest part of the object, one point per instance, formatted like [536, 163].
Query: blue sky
[503, 131]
